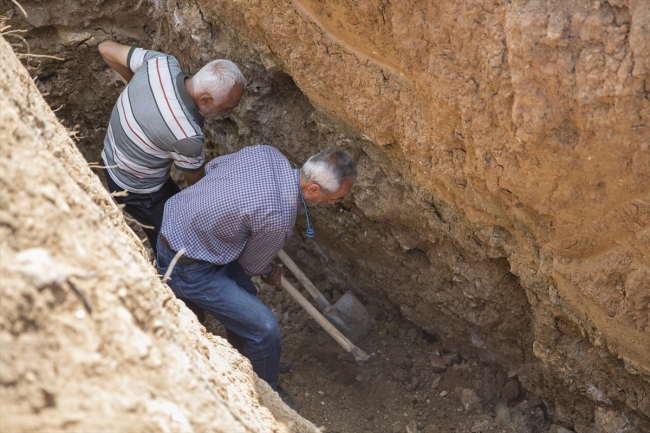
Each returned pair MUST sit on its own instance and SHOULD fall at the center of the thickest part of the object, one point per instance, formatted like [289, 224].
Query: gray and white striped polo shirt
[154, 123]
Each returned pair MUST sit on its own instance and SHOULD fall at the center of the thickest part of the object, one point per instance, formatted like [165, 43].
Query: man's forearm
[115, 56]
[194, 176]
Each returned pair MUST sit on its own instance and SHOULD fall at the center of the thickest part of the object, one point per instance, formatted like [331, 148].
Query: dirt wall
[504, 160]
[90, 340]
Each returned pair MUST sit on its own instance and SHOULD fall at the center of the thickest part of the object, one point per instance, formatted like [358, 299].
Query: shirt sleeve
[260, 250]
[217, 161]
[137, 56]
[188, 154]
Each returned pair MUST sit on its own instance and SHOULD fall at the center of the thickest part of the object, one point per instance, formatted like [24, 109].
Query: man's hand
[115, 55]
[275, 277]
[191, 177]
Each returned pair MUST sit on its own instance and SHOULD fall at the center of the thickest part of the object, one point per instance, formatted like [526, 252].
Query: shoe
[286, 366]
[288, 399]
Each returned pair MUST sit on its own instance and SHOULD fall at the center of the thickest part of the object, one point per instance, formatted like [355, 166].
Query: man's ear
[314, 189]
[205, 99]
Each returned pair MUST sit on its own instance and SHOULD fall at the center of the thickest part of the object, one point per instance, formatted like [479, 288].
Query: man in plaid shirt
[237, 218]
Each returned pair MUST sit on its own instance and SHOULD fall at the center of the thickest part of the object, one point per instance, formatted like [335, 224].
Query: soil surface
[412, 383]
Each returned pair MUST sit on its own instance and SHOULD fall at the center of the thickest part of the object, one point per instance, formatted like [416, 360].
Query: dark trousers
[148, 209]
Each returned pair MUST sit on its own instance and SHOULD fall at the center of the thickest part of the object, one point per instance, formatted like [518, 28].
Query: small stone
[402, 361]
[480, 426]
[304, 320]
[435, 380]
[413, 384]
[511, 390]
[391, 328]
[470, 400]
[436, 348]
[412, 333]
[443, 393]
[359, 378]
[437, 364]
[297, 380]
[609, 421]
[333, 391]
[534, 400]
[431, 428]
[400, 375]
[450, 358]
[412, 427]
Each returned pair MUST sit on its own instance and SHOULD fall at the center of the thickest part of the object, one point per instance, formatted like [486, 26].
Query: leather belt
[183, 260]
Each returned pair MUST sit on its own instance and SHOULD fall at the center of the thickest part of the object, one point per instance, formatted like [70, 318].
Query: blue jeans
[226, 292]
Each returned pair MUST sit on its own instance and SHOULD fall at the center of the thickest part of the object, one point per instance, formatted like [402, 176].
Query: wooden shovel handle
[358, 354]
[306, 283]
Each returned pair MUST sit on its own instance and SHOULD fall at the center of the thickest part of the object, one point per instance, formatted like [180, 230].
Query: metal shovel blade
[350, 317]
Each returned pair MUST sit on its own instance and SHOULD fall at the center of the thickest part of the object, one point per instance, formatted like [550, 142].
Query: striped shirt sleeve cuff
[135, 58]
[186, 167]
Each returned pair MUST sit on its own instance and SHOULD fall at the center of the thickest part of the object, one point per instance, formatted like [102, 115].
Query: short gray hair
[329, 168]
[217, 78]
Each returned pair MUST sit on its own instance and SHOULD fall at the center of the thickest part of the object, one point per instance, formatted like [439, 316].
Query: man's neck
[189, 86]
[303, 185]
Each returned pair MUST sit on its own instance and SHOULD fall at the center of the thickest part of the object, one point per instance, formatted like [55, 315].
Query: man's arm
[115, 56]
[260, 249]
[194, 176]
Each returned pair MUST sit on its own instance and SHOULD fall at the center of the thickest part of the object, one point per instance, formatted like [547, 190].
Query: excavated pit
[501, 215]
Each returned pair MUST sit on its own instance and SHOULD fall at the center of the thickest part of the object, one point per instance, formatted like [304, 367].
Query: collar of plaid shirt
[243, 209]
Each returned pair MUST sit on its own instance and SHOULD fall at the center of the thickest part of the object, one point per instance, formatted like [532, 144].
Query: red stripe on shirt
[117, 156]
[129, 125]
[166, 100]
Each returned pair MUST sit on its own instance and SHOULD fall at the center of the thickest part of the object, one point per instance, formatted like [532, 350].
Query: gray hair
[329, 168]
[217, 78]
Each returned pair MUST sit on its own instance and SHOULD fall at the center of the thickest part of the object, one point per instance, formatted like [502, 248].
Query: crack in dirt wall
[503, 200]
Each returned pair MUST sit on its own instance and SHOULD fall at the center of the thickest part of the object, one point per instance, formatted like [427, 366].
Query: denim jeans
[226, 292]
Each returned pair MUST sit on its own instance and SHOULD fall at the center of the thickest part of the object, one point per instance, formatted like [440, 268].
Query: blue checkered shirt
[243, 209]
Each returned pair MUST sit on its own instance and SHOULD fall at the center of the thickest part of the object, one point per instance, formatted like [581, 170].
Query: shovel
[354, 353]
[347, 314]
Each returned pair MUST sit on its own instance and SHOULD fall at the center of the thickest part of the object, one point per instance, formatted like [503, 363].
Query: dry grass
[515, 421]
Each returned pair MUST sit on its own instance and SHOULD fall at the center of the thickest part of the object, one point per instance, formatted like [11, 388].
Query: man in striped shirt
[237, 218]
[157, 122]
